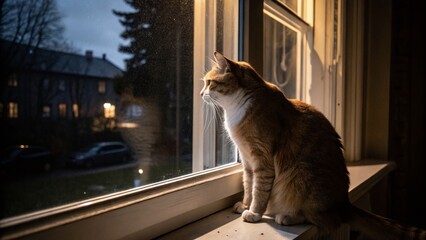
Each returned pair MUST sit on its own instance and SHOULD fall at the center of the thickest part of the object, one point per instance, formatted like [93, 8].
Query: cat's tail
[377, 227]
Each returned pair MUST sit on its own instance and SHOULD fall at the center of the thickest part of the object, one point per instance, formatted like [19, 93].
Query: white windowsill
[227, 225]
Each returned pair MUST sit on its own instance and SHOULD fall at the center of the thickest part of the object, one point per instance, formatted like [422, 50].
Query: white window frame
[204, 142]
[149, 211]
[302, 29]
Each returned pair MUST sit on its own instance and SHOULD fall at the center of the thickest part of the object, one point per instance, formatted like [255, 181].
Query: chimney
[89, 55]
[104, 56]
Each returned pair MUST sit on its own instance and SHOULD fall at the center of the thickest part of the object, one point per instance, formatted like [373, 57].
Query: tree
[159, 70]
[158, 32]
[26, 25]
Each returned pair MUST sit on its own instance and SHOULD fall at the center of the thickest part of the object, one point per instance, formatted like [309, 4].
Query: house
[47, 84]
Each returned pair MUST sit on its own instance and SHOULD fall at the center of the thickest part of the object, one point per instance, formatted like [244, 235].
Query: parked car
[22, 159]
[101, 153]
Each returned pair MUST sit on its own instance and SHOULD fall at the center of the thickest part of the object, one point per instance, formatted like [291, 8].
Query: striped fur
[292, 157]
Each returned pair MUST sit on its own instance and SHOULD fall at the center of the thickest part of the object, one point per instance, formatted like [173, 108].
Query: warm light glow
[128, 125]
[140, 171]
[107, 105]
[109, 110]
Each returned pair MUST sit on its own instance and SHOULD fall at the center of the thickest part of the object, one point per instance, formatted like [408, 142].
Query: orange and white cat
[292, 157]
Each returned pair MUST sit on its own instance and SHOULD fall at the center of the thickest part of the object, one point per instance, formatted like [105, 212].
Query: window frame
[102, 87]
[13, 110]
[168, 204]
[62, 110]
[285, 16]
[75, 110]
[13, 80]
[46, 111]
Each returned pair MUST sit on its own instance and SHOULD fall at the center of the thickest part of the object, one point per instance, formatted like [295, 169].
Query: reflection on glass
[100, 127]
[280, 56]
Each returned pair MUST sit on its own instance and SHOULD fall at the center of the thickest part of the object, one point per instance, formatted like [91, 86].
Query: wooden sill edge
[224, 224]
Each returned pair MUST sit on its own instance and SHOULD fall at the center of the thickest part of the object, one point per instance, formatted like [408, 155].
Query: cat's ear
[214, 64]
[222, 62]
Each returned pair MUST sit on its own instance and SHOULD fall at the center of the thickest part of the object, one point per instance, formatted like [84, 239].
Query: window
[46, 112]
[281, 56]
[62, 110]
[75, 110]
[285, 41]
[62, 85]
[13, 80]
[292, 4]
[151, 109]
[46, 83]
[178, 158]
[101, 87]
[12, 110]
[109, 110]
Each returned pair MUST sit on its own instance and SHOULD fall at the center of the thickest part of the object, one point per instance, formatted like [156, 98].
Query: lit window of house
[46, 112]
[75, 110]
[13, 80]
[101, 87]
[62, 109]
[109, 110]
[13, 110]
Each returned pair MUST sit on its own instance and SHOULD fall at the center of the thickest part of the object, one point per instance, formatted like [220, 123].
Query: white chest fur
[235, 107]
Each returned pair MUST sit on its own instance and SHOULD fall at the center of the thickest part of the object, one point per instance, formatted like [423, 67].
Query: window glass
[13, 110]
[280, 56]
[46, 112]
[13, 81]
[75, 110]
[139, 55]
[62, 110]
[292, 4]
[101, 87]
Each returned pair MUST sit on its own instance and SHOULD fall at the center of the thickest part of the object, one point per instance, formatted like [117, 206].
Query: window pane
[140, 57]
[280, 56]
[292, 4]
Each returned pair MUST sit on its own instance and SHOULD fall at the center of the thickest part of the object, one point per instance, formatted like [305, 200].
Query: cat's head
[228, 81]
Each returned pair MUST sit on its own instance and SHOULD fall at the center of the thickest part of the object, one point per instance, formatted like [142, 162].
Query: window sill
[225, 224]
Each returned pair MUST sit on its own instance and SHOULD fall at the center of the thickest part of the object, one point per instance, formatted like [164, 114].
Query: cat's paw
[284, 219]
[239, 207]
[250, 216]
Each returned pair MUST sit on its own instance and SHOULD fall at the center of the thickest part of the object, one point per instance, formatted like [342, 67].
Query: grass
[32, 194]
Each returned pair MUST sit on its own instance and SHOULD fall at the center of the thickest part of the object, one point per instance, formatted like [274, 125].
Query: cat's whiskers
[211, 110]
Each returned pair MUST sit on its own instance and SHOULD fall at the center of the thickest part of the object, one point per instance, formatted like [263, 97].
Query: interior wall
[377, 79]
[407, 111]
[394, 101]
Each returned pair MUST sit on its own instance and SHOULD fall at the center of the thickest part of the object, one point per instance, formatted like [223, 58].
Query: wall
[377, 75]
[407, 111]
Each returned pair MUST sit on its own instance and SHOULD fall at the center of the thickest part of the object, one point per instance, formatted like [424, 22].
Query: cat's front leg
[240, 207]
[262, 186]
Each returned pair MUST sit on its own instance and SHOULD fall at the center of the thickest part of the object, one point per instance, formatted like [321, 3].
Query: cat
[292, 157]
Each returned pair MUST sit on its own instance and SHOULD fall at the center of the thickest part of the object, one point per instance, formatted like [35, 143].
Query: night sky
[91, 25]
